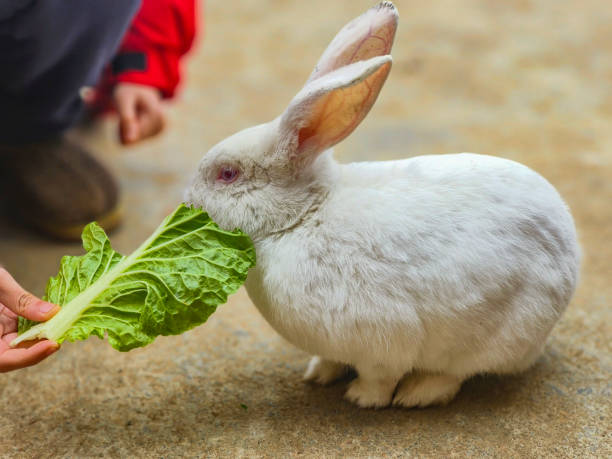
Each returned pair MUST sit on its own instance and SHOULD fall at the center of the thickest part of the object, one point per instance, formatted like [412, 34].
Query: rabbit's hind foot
[373, 388]
[323, 371]
[425, 389]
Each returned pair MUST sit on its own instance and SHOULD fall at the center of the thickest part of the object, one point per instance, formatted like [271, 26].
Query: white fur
[426, 270]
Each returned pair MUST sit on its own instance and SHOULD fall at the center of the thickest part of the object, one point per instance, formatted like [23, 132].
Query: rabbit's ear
[328, 109]
[367, 36]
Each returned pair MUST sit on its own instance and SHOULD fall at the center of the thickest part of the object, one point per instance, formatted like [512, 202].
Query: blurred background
[529, 80]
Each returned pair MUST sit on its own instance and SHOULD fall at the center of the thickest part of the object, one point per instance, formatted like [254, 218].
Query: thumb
[23, 303]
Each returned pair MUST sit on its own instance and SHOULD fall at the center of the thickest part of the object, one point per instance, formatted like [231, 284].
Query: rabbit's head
[265, 178]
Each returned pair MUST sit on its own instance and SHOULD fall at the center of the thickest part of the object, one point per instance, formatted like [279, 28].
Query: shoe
[56, 187]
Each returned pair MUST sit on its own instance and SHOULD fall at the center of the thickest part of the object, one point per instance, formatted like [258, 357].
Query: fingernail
[47, 307]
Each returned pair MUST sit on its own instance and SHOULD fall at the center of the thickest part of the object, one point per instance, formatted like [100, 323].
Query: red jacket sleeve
[161, 32]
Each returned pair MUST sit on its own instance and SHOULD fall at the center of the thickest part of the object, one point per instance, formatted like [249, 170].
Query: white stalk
[59, 324]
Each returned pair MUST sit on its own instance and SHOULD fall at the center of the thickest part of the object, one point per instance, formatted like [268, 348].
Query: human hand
[15, 302]
[141, 113]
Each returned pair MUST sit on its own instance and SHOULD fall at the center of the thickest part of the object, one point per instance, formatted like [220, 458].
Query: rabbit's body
[392, 265]
[418, 273]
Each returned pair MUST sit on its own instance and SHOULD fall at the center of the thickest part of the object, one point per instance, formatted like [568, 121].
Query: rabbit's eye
[227, 174]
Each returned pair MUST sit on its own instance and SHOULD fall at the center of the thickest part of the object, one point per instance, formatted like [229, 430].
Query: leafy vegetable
[171, 283]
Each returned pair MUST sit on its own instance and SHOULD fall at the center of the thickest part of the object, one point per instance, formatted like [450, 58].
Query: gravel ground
[526, 80]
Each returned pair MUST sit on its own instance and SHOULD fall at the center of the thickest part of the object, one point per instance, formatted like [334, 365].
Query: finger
[14, 359]
[23, 303]
[128, 120]
[151, 116]
[8, 339]
[151, 124]
[7, 312]
[8, 324]
[10, 336]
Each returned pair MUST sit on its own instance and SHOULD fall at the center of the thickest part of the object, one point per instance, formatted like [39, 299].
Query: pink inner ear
[309, 136]
[336, 114]
[306, 138]
[376, 42]
[368, 36]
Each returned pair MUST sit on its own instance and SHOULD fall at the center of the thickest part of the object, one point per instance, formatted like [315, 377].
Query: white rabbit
[417, 273]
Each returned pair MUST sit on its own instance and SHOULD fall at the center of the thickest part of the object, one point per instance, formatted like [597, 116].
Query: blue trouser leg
[49, 50]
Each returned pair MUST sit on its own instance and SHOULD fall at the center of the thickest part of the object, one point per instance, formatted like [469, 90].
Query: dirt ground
[529, 80]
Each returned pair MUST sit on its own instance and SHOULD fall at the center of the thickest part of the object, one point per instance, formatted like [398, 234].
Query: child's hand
[141, 113]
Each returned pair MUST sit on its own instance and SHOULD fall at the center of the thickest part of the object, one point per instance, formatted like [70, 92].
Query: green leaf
[173, 282]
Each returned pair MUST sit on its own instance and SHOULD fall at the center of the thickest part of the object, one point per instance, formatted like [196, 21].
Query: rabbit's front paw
[323, 371]
[370, 393]
[425, 389]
